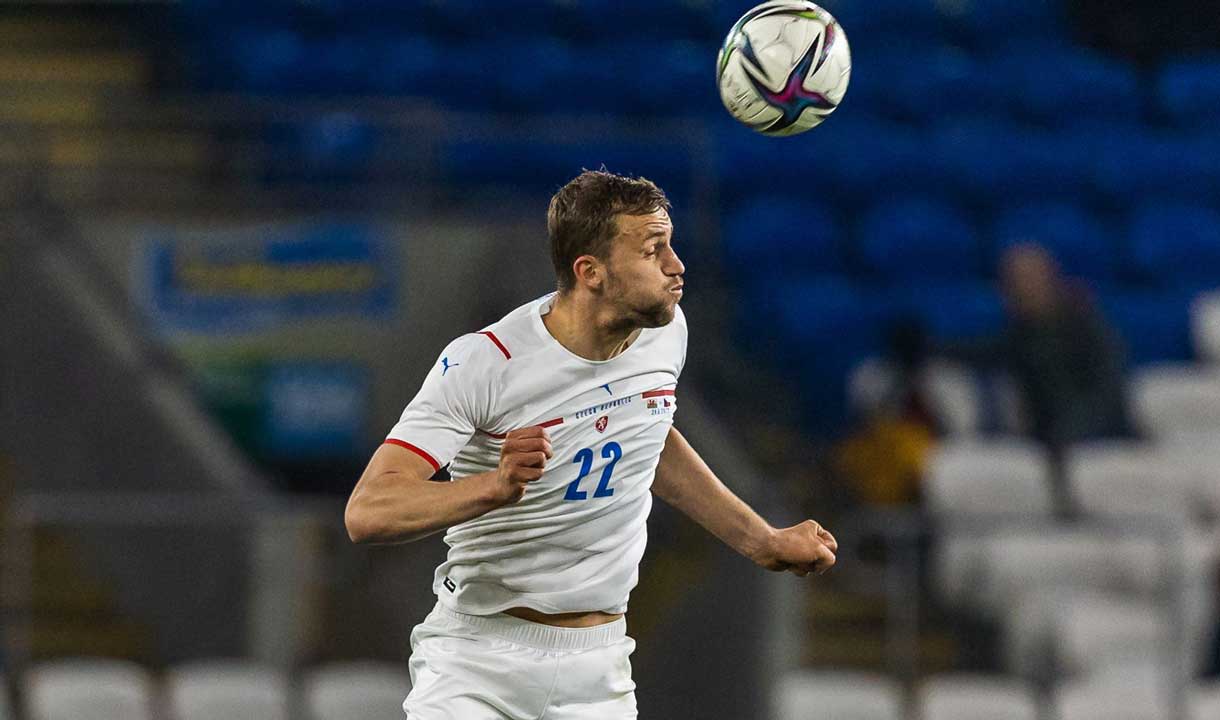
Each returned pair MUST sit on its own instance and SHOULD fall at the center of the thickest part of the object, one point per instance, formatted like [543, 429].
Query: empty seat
[1174, 244]
[1178, 401]
[975, 697]
[910, 239]
[1205, 326]
[1018, 562]
[1113, 697]
[1154, 326]
[988, 477]
[1099, 631]
[1189, 91]
[1204, 702]
[1121, 479]
[227, 690]
[783, 236]
[1060, 85]
[817, 695]
[356, 691]
[96, 689]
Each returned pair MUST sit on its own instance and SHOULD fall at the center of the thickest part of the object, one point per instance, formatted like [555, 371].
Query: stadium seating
[1117, 479]
[1055, 87]
[1098, 631]
[1118, 696]
[93, 688]
[914, 238]
[1175, 245]
[1189, 91]
[1177, 401]
[227, 690]
[975, 697]
[993, 478]
[782, 237]
[1017, 562]
[1154, 326]
[1205, 702]
[356, 691]
[812, 695]
[1205, 326]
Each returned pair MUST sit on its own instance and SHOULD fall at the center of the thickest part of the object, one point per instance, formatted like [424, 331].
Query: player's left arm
[684, 481]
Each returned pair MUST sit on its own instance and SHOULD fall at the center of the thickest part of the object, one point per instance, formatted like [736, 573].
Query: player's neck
[587, 330]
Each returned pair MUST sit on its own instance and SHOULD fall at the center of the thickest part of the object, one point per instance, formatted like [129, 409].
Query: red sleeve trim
[549, 423]
[496, 340]
[394, 441]
[659, 393]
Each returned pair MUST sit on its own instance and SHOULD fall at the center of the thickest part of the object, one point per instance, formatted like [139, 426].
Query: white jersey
[573, 543]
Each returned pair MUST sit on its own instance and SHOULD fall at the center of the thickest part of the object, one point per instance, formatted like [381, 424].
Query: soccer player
[557, 426]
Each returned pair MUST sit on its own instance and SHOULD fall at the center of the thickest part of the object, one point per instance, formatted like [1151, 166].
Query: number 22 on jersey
[611, 451]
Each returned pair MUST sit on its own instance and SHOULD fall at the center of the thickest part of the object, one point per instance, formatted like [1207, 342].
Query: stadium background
[235, 234]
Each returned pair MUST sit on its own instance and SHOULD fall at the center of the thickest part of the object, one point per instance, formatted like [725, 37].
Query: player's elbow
[361, 526]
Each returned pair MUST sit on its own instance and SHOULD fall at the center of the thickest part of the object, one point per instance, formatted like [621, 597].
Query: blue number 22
[611, 451]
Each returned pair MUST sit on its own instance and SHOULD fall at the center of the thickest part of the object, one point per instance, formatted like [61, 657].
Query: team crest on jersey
[652, 404]
[601, 423]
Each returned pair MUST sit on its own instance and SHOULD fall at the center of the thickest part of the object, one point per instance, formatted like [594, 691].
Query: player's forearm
[684, 481]
[389, 508]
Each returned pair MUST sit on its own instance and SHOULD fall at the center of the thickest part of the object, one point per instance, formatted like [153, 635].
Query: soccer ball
[783, 67]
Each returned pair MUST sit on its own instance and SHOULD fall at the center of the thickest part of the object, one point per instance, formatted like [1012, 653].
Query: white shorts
[498, 667]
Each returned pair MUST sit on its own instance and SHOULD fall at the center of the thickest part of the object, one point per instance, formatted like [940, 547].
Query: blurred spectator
[883, 460]
[1064, 358]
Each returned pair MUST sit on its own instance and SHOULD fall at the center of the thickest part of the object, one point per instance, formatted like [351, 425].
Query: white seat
[975, 697]
[1205, 325]
[1095, 632]
[971, 488]
[1113, 697]
[818, 695]
[1019, 562]
[995, 477]
[1120, 479]
[227, 690]
[356, 691]
[1177, 400]
[1204, 702]
[88, 689]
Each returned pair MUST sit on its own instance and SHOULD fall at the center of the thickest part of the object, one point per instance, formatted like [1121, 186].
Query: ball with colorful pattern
[784, 67]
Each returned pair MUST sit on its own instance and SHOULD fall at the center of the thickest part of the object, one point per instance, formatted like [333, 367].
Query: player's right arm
[395, 501]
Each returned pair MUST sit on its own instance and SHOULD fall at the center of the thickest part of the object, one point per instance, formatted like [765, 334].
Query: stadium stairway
[75, 105]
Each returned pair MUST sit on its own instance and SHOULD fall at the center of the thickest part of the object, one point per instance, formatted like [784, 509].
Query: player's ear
[589, 271]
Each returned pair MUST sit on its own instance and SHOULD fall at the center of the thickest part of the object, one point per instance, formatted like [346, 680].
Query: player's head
[611, 237]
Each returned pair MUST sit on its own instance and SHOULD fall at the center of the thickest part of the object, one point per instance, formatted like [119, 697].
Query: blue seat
[920, 87]
[1175, 245]
[995, 161]
[669, 78]
[1079, 241]
[331, 148]
[1130, 165]
[408, 65]
[539, 165]
[268, 61]
[1154, 327]
[780, 237]
[991, 23]
[882, 18]
[915, 238]
[951, 311]
[812, 332]
[1059, 87]
[1188, 91]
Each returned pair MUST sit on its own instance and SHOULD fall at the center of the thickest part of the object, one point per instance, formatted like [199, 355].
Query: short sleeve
[450, 405]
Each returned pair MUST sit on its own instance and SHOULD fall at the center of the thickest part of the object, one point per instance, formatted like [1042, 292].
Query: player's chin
[657, 315]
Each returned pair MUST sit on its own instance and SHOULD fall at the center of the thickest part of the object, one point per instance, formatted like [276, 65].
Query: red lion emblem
[601, 423]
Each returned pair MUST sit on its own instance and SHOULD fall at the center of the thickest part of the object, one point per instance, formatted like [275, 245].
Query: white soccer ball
[784, 67]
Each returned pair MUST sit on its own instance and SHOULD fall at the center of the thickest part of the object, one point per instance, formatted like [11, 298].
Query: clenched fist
[522, 459]
[801, 549]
